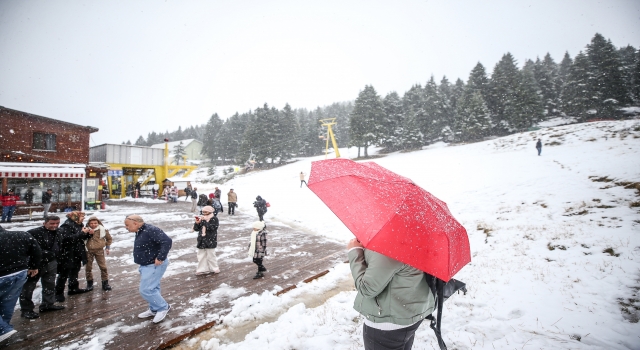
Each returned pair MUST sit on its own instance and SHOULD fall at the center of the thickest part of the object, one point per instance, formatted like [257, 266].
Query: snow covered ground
[555, 253]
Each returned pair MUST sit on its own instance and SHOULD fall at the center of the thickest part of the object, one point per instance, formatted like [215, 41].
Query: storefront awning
[42, 172]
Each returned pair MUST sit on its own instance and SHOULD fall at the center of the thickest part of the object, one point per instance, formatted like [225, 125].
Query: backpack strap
[437, 323]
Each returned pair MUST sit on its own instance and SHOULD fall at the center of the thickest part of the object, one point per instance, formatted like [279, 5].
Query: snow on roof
[172, 144]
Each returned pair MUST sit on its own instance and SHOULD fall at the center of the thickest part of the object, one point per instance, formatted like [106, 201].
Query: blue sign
[114, 173]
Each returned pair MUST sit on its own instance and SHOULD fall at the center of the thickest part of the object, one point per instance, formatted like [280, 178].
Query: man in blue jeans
[150, 249]
[20, 258]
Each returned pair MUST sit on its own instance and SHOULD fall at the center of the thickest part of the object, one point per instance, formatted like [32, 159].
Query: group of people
[52, 254]
[9, 199]
[199, 201]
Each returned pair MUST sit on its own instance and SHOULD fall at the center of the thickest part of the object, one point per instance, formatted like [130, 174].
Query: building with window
[38, 153]
[192, 149]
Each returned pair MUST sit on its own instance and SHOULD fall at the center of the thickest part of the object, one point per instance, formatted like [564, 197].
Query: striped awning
[42, 172]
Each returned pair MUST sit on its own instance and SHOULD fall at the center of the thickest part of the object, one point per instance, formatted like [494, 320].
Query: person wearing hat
[258, 247]
[8, 205]
[261, 207]
[207, 228]
[232, 200]
[97, 246]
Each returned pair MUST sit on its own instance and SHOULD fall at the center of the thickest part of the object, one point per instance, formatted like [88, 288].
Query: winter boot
[262, 268]
[258, 275]
[105, 285]
[89, 285]
[74, 287]
[60, 297]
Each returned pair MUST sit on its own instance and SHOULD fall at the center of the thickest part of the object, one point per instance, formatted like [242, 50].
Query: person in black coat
[19, 257]
[49, 241]
[261, 206]
[72, 255]
[207, 228]
[539, 146]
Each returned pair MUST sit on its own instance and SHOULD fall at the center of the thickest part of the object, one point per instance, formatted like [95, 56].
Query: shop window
[44, 141]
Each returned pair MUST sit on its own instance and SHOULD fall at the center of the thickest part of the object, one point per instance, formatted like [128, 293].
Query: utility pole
[328, 123]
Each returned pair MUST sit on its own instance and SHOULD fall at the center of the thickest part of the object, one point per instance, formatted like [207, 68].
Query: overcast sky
[132, 67]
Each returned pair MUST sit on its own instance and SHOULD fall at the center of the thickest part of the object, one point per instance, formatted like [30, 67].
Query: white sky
[131, 67]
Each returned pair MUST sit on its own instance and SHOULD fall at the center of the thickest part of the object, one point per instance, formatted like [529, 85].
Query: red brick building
[38, 153]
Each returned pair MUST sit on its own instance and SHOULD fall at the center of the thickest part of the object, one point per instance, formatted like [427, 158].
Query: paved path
[110, 318]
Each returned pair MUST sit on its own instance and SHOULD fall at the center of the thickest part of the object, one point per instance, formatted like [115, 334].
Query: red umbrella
[391, 215]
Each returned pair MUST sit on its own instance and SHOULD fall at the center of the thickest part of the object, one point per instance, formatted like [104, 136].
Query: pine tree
[446, 110]
[473, 121]
[179, 153]
[628, 62]
[429, 121]
[606, 71]
[546, 75]
[393, 122]
[577, 94]
[527, 108]
[366, 119]
[210, 143]
[140, 141]
[504, 83]
[636, 80]
[561, 83]
[289, 134]
[478, 81]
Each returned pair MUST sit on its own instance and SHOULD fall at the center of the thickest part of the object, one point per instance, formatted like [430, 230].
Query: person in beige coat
[232, 200]
[97, 245]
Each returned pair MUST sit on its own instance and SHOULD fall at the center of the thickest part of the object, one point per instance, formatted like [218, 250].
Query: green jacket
[388, 290]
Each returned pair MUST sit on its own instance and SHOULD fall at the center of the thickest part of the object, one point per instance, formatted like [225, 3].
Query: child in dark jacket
[258, 247]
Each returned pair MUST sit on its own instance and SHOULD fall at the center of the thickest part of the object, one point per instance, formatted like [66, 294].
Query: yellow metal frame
[328, 123]
[161, 172]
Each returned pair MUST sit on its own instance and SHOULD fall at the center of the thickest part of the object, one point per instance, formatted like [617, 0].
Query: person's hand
[354, 243]
[158, 262]
[198, 219]
[32, 273]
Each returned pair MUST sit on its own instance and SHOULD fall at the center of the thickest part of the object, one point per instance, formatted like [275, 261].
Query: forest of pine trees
[595, 84]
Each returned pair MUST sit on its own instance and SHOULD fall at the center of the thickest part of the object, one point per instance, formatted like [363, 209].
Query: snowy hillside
[555, 243]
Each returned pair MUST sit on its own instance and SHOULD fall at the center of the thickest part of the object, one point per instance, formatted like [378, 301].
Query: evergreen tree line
[270, 134]
[594, 84]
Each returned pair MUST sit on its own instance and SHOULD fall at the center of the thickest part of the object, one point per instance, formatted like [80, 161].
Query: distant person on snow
[258, 247]
[150, 250]
[217, 193]
[217, 206]
[302, 181]
[187, 192]
[539, 146]
[261, 206]
[97, 246]
[194, 198]
[232, 200]
[393, 297]
[206, 227]
[202, 201]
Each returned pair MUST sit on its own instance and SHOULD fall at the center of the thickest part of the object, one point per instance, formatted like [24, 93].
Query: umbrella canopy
[391, 215]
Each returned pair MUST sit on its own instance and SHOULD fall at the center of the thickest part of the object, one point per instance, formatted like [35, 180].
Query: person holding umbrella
[393, 297]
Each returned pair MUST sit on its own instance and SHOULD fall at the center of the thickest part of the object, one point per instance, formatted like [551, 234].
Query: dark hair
[51, 218]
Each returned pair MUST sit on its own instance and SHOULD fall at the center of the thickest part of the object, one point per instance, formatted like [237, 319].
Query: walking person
[202, 201]
[73, 254]
[8, 205]
[16, 263]
[217, 193]
[187, 192]
[49, 242]
[97, 246]
[207, 228]
[393, 297]
[194, 199]
[217, 206]
[261, 207]
[232, 201]
[302, 181]
[150, 250]
[539, 146]
[258, 247]
[46, 201]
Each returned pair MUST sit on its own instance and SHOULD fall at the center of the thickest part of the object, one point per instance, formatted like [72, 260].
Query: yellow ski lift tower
[328, 123]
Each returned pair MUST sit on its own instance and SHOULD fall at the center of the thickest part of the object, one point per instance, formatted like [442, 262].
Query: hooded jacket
[95, 242]
[260, 204]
